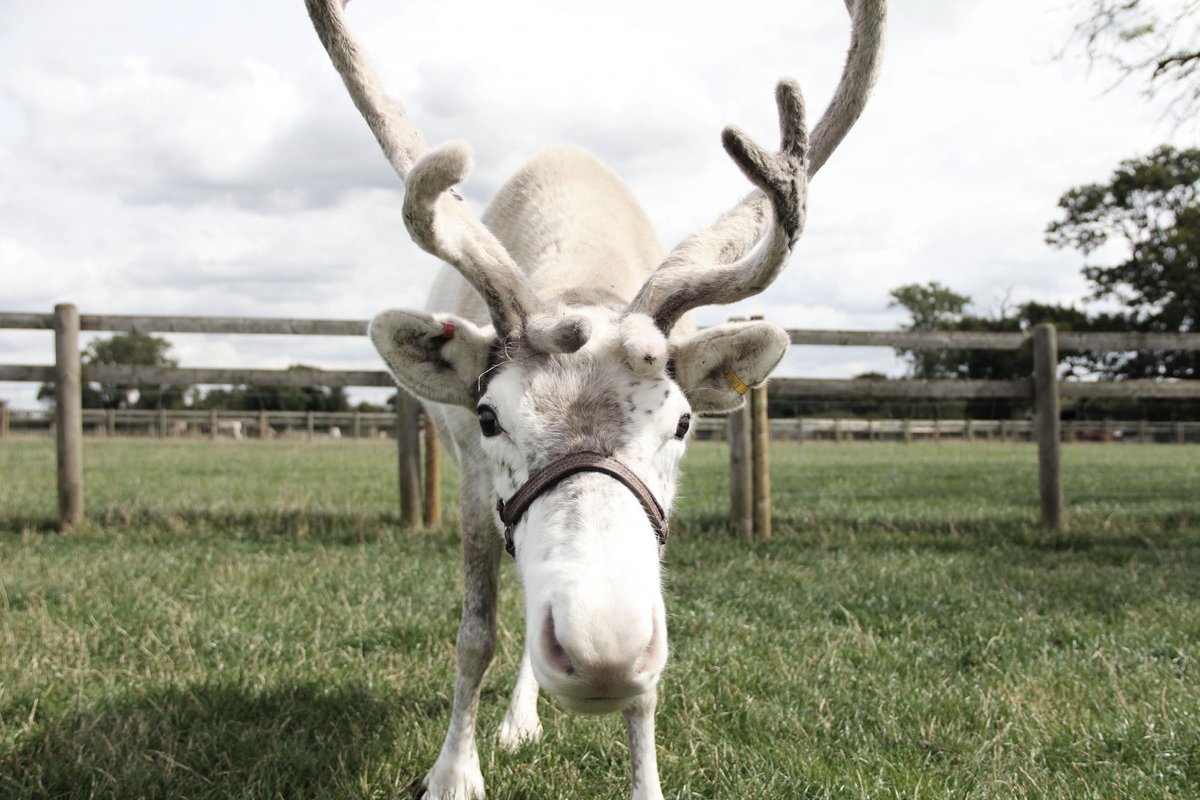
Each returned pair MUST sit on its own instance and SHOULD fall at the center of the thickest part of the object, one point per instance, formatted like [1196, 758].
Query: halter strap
[556, 471]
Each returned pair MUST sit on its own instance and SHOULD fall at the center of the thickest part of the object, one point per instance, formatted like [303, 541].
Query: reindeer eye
[685, 422]
[489, 423]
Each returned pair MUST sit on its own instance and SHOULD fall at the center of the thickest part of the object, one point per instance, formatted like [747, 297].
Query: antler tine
[435, 216]
[869, 18]
[712, 267]
[401, 142]
[782, 181]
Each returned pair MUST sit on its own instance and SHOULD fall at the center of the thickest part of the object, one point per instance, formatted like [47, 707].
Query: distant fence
[315, 425]
[749, 431]
[215, 424]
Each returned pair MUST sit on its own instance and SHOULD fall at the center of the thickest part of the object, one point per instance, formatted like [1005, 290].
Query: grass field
[243, 620]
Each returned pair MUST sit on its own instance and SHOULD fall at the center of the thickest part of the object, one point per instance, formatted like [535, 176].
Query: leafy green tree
[136, 349]
[278, 398]
[931, 307]
[1148, 213]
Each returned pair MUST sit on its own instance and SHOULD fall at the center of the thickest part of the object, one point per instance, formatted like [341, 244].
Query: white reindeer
[573, 405]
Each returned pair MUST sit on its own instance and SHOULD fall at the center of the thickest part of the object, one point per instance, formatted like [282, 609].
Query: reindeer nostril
[652, 655]
[556, 655]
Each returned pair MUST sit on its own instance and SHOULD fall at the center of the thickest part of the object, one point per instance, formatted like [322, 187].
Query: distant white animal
[560, 364]
[231, 428]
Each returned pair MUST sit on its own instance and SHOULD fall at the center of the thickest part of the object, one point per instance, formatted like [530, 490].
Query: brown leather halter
[585, 461]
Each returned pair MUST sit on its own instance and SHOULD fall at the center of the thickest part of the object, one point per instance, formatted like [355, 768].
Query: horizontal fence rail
[1120, 341]
[185, 376]
[125, 323]
[1043, 389]
[883, 388]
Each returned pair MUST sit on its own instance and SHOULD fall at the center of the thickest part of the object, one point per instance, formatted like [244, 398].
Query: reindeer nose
[600, 667]
[556, 654]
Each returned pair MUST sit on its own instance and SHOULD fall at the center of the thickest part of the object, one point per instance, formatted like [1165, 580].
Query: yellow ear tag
[735, 381]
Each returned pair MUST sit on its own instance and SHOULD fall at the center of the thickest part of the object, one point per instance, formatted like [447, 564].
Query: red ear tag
[447, 330]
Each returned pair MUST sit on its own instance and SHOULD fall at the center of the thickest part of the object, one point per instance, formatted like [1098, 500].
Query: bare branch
[1159, 46]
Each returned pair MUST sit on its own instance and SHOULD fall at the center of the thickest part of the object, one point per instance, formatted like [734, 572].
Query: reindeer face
[585, 549]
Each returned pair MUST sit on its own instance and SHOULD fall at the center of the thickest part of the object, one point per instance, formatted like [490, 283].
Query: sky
[202, 157]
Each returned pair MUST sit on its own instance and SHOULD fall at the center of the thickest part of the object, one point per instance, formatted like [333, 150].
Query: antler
[712, 267]
[434, 214]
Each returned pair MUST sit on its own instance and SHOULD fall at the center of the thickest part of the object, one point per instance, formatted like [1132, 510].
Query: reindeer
[559, 361]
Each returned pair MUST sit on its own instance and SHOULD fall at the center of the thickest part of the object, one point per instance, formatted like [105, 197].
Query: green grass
[244, 620]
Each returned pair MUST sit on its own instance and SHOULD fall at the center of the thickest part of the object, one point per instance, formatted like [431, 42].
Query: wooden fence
[749, 490]
[748, 430]
[417, 505]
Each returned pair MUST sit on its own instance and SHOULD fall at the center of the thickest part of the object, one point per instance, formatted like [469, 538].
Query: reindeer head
[550, 380]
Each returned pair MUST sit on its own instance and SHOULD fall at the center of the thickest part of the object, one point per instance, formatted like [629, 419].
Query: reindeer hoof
[453, 781]
[514, 734]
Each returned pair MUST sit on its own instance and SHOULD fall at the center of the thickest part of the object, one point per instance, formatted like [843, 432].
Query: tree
[1149, 213]
[278, 398]
[1012, 364]
[1158, 42]
[136, 349]
[932, 307]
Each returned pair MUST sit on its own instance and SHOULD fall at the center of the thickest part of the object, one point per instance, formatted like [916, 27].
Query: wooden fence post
[1180, 437]
[907, 427]
[310, 425]
[3, 419]
[1143, 431]
[761, 462]
[432, 516]
[1047, 426]
[162, 423]
[760, 426]
[408, 442]
[212, 424]
[264, 425]
[110, 422]
[68, 415]
[741, 476]
[357, 424]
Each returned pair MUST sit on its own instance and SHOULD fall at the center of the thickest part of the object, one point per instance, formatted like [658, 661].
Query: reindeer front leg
[639, 723]
[456, 774]
[521, 725]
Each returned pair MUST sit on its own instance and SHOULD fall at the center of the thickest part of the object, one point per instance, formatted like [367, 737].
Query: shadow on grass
[1094, 536]
[215, 741]
[258, 525]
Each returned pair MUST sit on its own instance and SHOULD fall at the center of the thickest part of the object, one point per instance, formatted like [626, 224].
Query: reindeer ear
[435, 357]
[717, 366]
